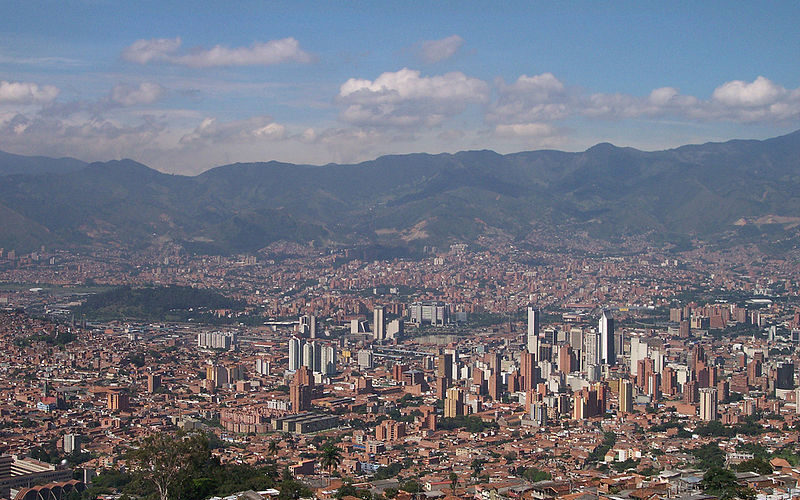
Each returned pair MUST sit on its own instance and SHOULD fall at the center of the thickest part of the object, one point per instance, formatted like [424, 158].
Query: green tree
[330, 458]
[722, 484]
[453, 481]
[273, 448]
[165, 460]
[477, 467]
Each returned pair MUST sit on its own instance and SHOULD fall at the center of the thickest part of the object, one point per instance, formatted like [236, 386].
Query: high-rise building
[444, 367]
[533, 332]
[591, 349]
[153, 383]
[295, 353]
[379, 323]
[327, 360]
[300, 390]
[708, 404]
[262, 366]
[607, 353]
[365, 359]
[434, 313]
[118, 400]
[625, 396]
[453, 403]
[72, 443]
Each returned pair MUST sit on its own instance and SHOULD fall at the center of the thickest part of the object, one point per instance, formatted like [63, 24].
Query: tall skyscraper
[607, 353]
[379, 323]
[444, 367]
[625, 396]
[591, 349]
[533, 332]
[295, 353]
[708, 404]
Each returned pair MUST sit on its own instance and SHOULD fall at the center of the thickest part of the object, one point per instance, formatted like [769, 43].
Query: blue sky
[190, 85]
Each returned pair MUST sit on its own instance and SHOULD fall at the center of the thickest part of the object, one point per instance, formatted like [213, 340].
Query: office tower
[431, 312]
[308, 356]
[784, 376]
[72, 443]
[607, 353]
[300, 390]
[565, 358]
[453, 403]
[625, 396]
[708, 404]
[379, 324]
[538, 413]
[639, 351]
[328, 360]
[153, 383]
[262, 366]
[797, 401]
[444, 367]
[312, 326]
[118, 401]
[295, 353]
[365, 359]
[395, 329]
[591, 349]
[533, 332]
[496, 386]
[529, 371]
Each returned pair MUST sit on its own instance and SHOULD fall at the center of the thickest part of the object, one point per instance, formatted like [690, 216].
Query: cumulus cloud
[156, 49]
[211, 131]
[531, 99]
[26, 93]
[525, 130]
[544, 98]
[433, 51]
[144, 93]
[258, 54]
[96, 139]
[405, 98]
[737, 93]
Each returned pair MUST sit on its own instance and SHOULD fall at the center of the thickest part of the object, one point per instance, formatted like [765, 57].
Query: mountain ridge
[693, 191]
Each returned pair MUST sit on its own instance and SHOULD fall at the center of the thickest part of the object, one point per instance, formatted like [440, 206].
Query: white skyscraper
[591, 349]
[533, 332]
[295, 353]
[308, 356]
[328, 360]
[607, 352]
[638, 351]
[379, 323]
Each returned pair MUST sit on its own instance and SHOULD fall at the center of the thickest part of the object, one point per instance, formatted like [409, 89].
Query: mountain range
[741, 190]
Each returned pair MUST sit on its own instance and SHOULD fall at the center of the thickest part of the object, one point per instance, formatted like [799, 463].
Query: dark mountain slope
[692, 191]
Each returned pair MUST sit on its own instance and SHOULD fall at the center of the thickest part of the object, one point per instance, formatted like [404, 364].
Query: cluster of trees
[609, 440]
[717, 429]
[169, 466]
[468, 423]
[173, 303]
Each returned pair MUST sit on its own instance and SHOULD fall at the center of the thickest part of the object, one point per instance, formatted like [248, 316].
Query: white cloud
[404, 98]
[737, 93]
[145, 93]
[156, 49]
[525, 130]
[544, 98]
[212, 131]
[531, 99]
[93, 139]
[258, 54]
[433, 51]
[26, 93]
